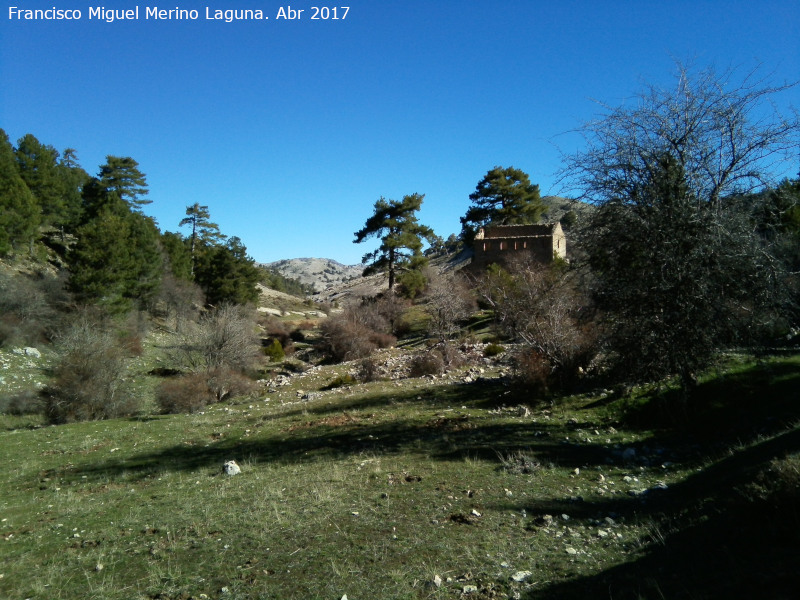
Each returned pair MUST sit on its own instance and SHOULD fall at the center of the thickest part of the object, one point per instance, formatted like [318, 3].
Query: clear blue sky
[291, 130]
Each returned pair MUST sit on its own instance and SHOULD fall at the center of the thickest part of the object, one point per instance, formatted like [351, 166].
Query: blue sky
[291, 130]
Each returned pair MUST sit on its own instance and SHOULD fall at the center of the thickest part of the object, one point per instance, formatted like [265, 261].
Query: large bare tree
[679, 268]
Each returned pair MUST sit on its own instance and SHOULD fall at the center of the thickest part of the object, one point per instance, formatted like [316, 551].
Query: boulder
[231, 468]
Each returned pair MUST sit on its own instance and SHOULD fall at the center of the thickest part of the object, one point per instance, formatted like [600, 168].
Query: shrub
[225, 384]
[88, 375]
[27, 402]
[451, 356]
[493, 349]
[368, 370]
[340, 381]
[428, 363]
[274, 351]
[534, 371]
[185, 394]
[779, 482]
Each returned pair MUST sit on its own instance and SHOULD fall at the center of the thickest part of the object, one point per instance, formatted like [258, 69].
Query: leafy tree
[505, 196]
[147, 260]
[401, 235]
[121, 176]
[19, 212]
[203, 230]
[226, 274]
[680, 270]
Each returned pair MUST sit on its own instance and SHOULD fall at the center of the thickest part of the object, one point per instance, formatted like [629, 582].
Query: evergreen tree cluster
[276, 280]
[116, 254]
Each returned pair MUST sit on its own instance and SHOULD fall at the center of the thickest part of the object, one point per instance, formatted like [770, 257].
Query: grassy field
[416, 489]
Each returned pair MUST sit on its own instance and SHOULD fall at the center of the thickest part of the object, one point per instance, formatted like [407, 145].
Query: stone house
[501, 243]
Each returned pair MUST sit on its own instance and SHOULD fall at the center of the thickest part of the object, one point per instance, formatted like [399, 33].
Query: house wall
[535, 242]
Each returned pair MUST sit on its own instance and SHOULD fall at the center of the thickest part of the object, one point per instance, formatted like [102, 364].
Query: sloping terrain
[412, 488]
[322, 273]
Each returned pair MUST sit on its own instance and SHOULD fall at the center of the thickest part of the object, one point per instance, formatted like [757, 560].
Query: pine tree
[117, 262]
[19, 212]
[227, 274]
[203, 230]
[505, 196]
[121, 176]
[401, 235]
[38, 167]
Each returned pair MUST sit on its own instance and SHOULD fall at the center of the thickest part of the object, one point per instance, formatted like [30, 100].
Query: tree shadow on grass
[715, 538]
[740, 406]
[349, 428]
[443, 439]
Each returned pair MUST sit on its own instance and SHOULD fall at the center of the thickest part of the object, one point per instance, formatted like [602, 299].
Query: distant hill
[321, 273]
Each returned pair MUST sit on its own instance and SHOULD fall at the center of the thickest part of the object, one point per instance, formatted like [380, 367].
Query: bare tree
[543, 307]
[724, 131]
[680, 270]
[448, 302]
[225, 338]
[88, 374]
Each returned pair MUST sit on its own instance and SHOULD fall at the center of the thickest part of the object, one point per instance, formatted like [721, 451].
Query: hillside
[321, 273]
[411, 488]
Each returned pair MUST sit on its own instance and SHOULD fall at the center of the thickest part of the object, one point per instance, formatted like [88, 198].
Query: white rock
[521, 576]
[231, 468]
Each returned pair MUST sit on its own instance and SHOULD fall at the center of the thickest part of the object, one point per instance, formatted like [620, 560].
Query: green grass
[374, 490]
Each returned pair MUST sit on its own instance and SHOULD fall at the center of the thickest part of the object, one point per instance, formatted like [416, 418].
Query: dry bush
[277, 329]
[544, 307]
[449, 302]
[368, 370]
[382, 340]
[343, 340]
[451, 356]
[193, 392]
[26, 402]
[226, 384]
[428, 363]
[185, 394]
[224, 338]
[534, 371]
[132, 343]
[349, 337]
[88, 375]
[27, 308]
[182, 301]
